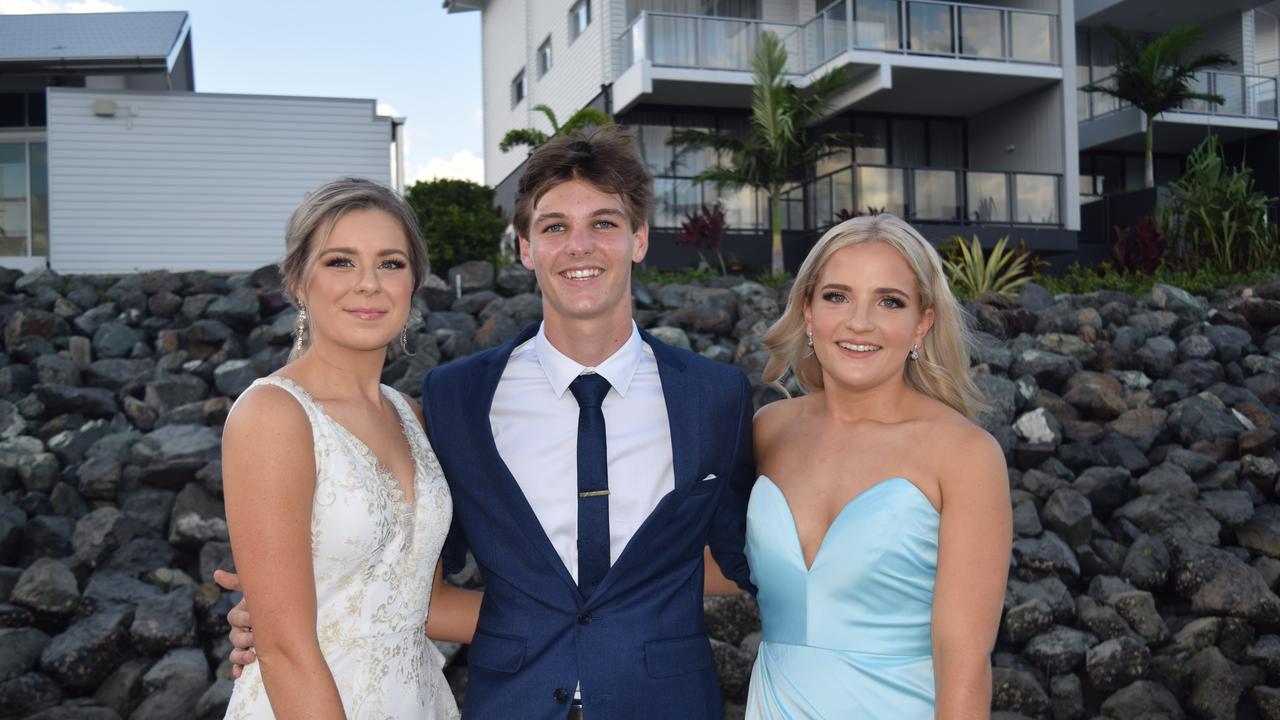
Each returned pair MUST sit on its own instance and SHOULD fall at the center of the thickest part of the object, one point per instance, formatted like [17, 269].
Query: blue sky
[409, 55]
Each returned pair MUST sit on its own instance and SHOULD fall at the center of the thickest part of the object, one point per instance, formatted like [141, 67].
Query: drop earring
[915, 353]
[810, 336]
[300, 328]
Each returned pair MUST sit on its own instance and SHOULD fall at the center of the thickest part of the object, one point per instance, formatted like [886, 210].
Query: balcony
[1246, 96]
[926, 27]
[700, 42]
[1250, 109]
[915, 27]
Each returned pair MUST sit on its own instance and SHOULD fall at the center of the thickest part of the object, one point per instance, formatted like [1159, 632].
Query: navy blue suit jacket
[637, 644]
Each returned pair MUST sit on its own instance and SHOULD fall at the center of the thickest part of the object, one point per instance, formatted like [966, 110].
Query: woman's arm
[454, 611]
[714, 581]
[973, 564]
[269, 475]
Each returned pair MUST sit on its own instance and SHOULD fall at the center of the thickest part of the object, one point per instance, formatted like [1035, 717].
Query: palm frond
[522, 136]
[551, 117]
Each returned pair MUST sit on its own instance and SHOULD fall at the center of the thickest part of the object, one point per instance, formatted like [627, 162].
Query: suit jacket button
[584, 618]
[561, 695]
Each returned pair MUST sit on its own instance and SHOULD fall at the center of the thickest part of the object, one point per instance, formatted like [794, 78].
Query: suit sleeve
[454, 553]
[728, 537]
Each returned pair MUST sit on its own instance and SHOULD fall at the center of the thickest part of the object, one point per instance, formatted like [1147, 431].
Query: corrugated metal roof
[85, 36]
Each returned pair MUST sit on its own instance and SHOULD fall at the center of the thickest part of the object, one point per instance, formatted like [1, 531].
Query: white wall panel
[505, 50]
[187, 181]
[1025, 135]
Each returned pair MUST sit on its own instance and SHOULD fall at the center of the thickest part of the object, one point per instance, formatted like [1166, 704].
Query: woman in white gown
[336, 505]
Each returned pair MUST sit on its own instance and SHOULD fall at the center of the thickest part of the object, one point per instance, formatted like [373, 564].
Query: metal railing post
[850, 17]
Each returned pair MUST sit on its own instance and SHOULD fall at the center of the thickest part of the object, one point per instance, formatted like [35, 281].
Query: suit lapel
[683, 402]
[503, 482]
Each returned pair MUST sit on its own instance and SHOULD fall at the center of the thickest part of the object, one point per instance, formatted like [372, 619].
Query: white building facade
[966, 113]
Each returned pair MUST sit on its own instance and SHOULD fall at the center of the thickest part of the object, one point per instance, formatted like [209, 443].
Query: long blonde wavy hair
[942, 370]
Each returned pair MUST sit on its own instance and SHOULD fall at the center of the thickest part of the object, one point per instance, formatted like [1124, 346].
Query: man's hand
[241, 634]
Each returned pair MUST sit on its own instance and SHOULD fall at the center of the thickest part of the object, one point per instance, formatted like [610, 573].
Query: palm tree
[1155, 78]
[780, 145]
[534, 137]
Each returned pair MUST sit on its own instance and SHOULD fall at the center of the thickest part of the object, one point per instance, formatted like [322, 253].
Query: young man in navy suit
[590, 466]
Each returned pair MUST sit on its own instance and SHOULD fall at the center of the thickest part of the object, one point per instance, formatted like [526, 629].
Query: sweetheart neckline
[795, 528]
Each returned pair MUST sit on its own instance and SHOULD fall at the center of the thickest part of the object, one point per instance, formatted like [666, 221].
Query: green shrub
[458, 221]
[1215, 216]
[1079, 280]
[775, 280]
[684, 276]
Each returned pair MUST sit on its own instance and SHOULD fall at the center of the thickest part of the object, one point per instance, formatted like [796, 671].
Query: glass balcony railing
[929, 27]
[921, 27]
[1251, 96]
[694, 41]
[939, 195]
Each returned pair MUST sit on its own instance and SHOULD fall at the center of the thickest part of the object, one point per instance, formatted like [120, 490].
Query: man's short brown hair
[605, 157]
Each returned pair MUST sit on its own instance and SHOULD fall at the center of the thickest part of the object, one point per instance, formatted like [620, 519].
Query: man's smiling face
[581, 247]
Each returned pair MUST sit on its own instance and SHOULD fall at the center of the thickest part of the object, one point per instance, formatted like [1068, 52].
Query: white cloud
[31, 7]
[463, 165]
[388, 110]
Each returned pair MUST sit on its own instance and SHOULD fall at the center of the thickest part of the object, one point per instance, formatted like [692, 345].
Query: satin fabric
[850, 636]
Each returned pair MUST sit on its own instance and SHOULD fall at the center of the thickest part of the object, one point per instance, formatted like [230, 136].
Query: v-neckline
[379, 466]
[795, 527]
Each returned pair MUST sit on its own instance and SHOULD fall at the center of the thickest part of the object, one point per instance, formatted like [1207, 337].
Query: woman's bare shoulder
[772, 419]
[266, 407]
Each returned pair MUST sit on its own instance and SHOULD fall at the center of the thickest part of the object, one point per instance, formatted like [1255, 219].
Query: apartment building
[1112, 134]
[966, 113]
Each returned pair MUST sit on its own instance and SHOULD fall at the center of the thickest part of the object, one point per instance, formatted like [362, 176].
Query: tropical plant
[458, 221]
[705, 230]
[1154, 77]
[973, 273]
[1216, 215]
[781, 143]
[1141, 248]
[533, 137]
[846, 214]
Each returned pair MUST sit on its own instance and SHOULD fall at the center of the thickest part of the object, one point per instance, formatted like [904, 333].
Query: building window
[579, 18]
[22, 109]
[24, 199]
[544, 57]
[517, 88]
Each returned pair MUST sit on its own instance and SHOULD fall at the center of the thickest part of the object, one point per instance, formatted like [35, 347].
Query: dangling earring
[404, 339]
[915, 353]
[300, 328]
[810, 336]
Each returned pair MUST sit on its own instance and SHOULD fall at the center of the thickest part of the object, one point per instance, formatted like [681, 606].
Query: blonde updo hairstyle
[942, 370]
[313, 220]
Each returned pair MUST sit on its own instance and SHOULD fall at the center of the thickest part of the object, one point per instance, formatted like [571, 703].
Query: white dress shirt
[535, 425]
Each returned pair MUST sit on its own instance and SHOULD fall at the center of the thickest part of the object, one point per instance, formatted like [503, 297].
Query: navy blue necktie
[593, 482]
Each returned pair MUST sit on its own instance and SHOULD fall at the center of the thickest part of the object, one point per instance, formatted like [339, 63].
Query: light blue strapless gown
[850, 637]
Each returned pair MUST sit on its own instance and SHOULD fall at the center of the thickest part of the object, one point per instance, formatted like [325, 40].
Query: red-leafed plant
[1141, 248]
[846, 214]
[704, 231]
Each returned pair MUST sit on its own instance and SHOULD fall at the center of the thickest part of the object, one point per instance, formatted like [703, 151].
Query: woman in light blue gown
[879, 530]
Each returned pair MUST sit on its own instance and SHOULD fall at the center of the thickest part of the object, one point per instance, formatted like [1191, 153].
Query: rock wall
[1140, 435]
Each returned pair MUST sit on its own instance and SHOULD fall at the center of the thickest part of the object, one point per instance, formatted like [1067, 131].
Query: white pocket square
[712, 476]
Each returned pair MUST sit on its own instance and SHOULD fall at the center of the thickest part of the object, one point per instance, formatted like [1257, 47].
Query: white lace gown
[374, 557]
